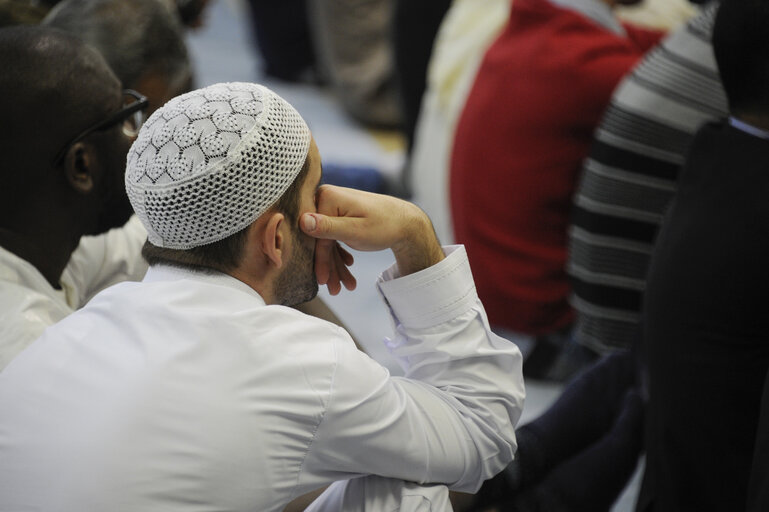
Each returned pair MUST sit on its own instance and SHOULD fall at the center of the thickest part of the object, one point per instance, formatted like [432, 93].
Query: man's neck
[259, 281]
[49, 253]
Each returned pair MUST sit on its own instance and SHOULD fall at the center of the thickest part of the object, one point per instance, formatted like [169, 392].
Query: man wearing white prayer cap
[197, 389]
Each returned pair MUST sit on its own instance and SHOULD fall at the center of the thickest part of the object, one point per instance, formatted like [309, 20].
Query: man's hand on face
[367, 222]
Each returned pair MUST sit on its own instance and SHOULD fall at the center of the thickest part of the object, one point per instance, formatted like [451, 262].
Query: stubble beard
[297, 283]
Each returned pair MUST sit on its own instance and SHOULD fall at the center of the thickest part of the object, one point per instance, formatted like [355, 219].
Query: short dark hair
[741, 48]
[134, 36]
[226, 254]
[52, 80]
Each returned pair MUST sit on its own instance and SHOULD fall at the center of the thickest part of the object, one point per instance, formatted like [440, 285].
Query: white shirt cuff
[433, 295]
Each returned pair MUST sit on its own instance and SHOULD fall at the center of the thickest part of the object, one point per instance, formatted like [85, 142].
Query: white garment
[380, 494]
[661, 14]
[467, 30]
[186, 392]
[28, 302]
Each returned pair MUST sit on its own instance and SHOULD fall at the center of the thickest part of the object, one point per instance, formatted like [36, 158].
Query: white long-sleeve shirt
[187, 392]
[28, 302]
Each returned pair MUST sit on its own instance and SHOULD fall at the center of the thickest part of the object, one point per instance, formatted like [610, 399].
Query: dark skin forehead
[59, 88]
[93, 90]
[58, 83]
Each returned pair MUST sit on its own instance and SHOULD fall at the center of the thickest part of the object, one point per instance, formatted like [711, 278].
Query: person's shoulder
[24, 315]
[298, 323]
[305, 332]
[21, 305]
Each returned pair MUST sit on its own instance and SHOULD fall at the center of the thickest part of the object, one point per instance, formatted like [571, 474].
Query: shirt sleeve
[103, 260]
[383, 494]
[451, 418]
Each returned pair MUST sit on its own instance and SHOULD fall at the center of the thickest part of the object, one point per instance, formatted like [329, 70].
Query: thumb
[318, 225]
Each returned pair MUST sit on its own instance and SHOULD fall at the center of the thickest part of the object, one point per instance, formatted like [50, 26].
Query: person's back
[630, 176]
[525, 128]
[467, 30]
[198, 386]
[705, 328]
[168, 408]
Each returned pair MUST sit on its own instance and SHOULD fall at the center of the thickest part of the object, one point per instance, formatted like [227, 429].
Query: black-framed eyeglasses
[131, 115]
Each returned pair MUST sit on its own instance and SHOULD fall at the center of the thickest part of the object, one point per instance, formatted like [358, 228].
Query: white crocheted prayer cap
[210, 162]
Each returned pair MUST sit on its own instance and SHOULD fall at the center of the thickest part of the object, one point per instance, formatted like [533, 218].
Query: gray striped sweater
[630, 176]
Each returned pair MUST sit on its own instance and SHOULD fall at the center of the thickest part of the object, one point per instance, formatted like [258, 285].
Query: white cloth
[661, 14]
[231, 149]
[187, 391]
[380, 494]
[467, 30]
[29, 304]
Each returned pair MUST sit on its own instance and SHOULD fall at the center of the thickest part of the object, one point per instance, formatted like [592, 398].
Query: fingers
[331, 262]
[370, 222]
[346, 256]
[359, 219]
[345, 276]
[323, 260]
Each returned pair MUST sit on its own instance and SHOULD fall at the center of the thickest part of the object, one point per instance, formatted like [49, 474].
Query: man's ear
[273, 238]
[79, 164]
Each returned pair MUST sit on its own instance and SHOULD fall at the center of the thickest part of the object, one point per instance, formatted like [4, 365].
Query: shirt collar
[158, 273]
[748, 128]
[595, 10]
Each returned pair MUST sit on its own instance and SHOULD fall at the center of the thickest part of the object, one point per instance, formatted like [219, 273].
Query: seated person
[630, 176]
[141, 40]
[48, 268]
[519, 143]
[63, 182]
[197, 385]
[705, 327]
[579, 454]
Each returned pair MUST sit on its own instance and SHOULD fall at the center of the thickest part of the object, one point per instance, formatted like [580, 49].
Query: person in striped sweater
[630, 177]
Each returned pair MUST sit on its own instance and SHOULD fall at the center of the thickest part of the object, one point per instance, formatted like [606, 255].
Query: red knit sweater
[526, 127]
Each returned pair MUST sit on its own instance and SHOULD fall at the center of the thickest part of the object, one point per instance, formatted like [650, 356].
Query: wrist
[419, 248]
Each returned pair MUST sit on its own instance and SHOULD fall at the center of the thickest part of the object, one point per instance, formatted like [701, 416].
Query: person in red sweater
[520, 141]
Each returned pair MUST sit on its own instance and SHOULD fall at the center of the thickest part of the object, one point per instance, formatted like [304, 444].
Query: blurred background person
[705, 329]
[527, 124]
[630, 176]
[465, 34]
[142, 40]
[353, 51]
[32, 12]
[415, 25]
[281, 36]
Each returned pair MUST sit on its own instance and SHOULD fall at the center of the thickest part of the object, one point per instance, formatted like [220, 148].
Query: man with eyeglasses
[68, 126]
